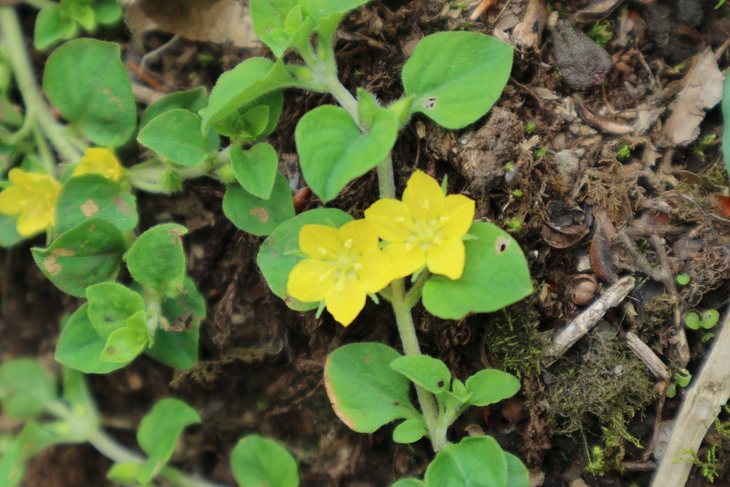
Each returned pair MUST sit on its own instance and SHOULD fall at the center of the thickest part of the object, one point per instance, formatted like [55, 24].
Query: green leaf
[367, 105]
[51, 27]
[123, 345]
[409, 483]
[270, 23]
[32, 439]
[253, 121]
[86, 81]
[157, 260]
[158, 432]
[258, 462]
[256, 215]
[409, 431]
[178, 346]
[247, 82]
[176, 135]
[517, 475]
[709, 318]
[364, 391]
[255, 168]
[26, 389]
[94, 196]
[323, 9]
[490, 386]
[333, 151]
[692, 321]
[80, 346]
[682, 279]
[495, 275]
[85, 255]
[9, 235]
[111, 305]
[459, 390]
[124, 473]
[477, 461]
[457, 76]
[192, 100]
[276, 258]
[106, 11]
[427, 372]
[726, 118]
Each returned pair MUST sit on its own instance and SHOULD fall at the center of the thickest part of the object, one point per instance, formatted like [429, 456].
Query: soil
[573, 158]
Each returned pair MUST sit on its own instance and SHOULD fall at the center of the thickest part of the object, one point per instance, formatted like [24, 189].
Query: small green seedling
[680, 378]
[682, 279]
[705, 320]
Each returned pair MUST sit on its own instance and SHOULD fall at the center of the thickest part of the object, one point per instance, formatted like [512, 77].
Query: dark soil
[596, 204]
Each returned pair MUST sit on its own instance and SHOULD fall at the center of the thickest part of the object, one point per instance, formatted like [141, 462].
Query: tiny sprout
[530, 128]
[514, 225]
[682, 279]
[460, 5]
[518, 193]
[682, 377]
[703, 144]
[709, 318]
[508, 166]
[599, 33]
[692, 321]
[623, 152]
[540, 152]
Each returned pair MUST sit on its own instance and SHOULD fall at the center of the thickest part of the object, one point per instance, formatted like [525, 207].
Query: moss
[513, 338]
[598, 388]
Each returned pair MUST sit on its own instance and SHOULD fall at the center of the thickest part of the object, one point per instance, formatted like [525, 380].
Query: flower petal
[100, 161]
[14, 199]
[18, 176]
[457, 216]
[376, 272]
[34, 219]
[320, 242]
[447, 258]
[424, 197]
[345, 300]
[358, 236]
[310, 280]
[405, 258]
[392, 219]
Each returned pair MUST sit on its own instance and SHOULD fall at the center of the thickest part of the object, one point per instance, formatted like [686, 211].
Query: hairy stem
[408, 337]
[14, 43]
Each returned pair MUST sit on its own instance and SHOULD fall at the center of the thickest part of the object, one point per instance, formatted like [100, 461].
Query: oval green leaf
[80, 346]
[517, 475]
[257, 462]
[26, 389]
[85, 255]
[178, 346]
[256, 215]
[158, 433]
[477, 461]
[276, 258]
[94, 196]
[110, 305]
[495, 275]
[247, 82]
[409, 431]
[86, 80]
[123, 345]
[176, 136]
[457, 76]
[490, 386]
[364, 391]
[255, 168]
[157, 260]
[409, 483]
[427, 372]
[192, 100]
[333, 151]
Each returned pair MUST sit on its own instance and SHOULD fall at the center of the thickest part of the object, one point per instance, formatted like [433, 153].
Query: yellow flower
[426, 228]
[32, 196]
[343, 265]
[99, 161]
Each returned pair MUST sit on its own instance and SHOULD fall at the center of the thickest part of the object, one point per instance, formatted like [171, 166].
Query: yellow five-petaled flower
[425, 229]
[99, 160]
[33, 197]
[343, 265]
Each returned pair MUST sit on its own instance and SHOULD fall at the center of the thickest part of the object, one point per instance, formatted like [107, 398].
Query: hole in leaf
[430, 102]
[501, 244]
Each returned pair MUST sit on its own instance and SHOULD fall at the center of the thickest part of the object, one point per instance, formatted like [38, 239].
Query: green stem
[14, 44]
[408, 337]
[110, 448]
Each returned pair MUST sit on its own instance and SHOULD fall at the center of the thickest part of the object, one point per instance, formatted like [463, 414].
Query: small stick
[481, 8]
[583, 323]
[647, 356]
